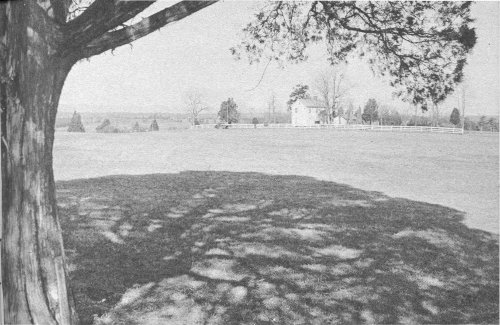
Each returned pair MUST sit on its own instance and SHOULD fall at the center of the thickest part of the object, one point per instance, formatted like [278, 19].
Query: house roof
[308, 102]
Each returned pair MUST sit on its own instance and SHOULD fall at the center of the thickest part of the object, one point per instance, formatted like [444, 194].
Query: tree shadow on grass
[250, 248]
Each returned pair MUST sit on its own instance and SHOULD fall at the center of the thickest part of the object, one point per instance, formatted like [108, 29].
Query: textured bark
[34, 274]
[37, 50]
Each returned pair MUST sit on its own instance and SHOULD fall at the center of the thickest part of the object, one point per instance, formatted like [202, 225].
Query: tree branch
[99, 18]
[60, 10]
[114, 39]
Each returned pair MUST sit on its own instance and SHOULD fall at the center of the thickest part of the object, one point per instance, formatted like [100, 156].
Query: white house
[309, 112]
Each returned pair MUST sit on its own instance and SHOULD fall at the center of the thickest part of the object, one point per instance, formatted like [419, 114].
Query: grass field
[460, 172]
[280, 227]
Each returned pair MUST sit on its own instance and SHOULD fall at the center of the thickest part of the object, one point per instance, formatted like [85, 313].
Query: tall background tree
[383, 114]
[455, 117]
[435, 114]
[300, 91]
[418, 45]
[332, 87]
[40, 41]
[228, 111]
[194, 104]
[349, 113]
[271, 106]
[370, 112]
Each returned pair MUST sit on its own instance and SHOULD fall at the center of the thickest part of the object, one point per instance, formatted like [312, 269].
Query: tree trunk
[33, 260]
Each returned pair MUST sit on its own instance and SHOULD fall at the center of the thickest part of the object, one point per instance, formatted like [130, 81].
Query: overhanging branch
[126, 35]
[99, 18]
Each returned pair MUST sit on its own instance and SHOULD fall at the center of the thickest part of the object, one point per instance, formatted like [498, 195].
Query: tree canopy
[420, 47]
[229, 111]
[299, 91]
[455, 117]
[370, 113]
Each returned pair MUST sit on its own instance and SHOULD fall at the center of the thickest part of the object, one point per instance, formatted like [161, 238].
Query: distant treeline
[385, 117]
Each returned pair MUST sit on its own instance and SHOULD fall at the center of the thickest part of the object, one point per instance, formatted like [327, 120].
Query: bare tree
[349, 113]
[384, 113]
[435, 114]
[332, 86]
[406, 113]
[194, 105]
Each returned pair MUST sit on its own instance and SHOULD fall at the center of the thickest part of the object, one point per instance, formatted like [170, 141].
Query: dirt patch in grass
[246, 248]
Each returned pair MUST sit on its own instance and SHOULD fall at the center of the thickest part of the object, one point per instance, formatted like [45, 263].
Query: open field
[456, 171]
[279, 227]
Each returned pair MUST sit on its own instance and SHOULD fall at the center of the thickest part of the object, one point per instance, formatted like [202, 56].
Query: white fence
[362, 127]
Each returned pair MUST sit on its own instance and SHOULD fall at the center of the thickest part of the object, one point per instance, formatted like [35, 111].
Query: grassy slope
[244, 248]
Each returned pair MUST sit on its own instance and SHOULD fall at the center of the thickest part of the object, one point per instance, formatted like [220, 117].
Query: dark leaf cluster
[420, 47]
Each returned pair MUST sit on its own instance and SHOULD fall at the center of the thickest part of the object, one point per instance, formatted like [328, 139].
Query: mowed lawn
[280, 227]
[460, 172]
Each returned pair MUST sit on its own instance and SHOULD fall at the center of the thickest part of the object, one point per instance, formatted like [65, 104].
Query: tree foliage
[455, 117]
[421, 47]
[419, 121]
[339, 112]
[300, 91]
[391, 117]
[154, 126]
[482, 122]
[493, 124]
[76, 124]
[229, 111]
[470, 125]
[370, 113]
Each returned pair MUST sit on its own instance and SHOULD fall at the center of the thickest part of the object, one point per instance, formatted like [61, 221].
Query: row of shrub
[107, 127]
[76, 125]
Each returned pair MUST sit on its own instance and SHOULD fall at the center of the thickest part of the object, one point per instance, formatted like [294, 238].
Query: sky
[154, 73]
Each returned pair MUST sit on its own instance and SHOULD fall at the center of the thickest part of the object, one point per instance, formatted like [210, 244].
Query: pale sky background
[153, 73]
